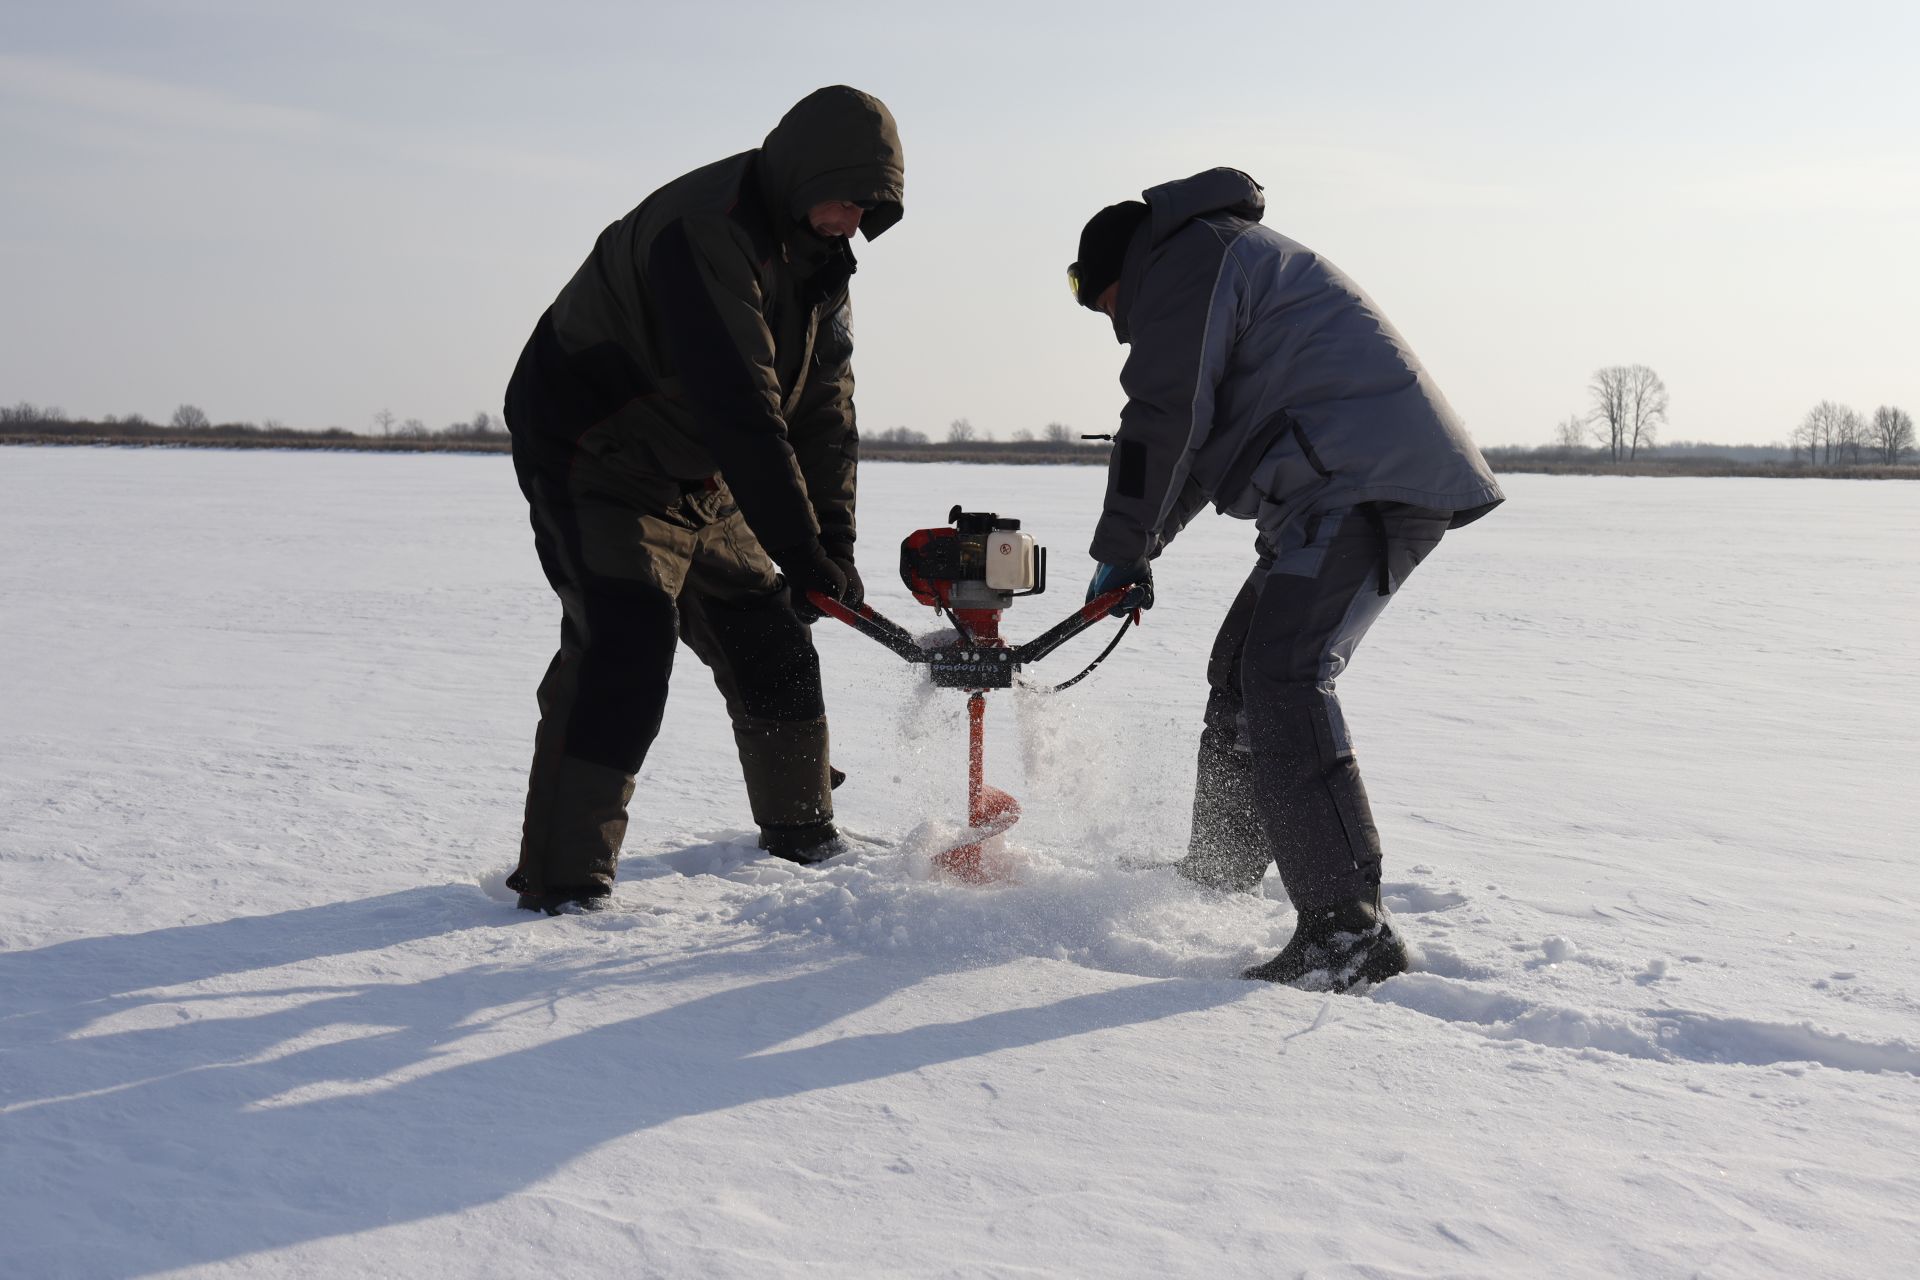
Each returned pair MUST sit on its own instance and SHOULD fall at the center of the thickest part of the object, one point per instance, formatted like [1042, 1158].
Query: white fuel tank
[1010, 560]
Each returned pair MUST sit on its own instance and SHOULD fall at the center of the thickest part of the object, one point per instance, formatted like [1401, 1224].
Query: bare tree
[1820, 430]
[1805, 436]
[959, 431]
[1850, 436]
[901, 435]
[1646, 409]
[385, 420]
[1892, 433]
[1609, 416]
[28, 414]
[1571, 434]
[1059, 433]
[413, 429]
[189, 417]
[1023, 436]
[1629, 407]
[1826, 426]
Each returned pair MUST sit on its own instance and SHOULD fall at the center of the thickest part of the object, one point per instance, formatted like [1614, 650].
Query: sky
[315, 212]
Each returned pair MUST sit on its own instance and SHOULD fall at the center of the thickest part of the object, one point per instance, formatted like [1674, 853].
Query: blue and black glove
[1135, 573]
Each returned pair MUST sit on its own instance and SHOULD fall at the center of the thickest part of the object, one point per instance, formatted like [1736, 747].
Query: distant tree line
[192, 423]
[1628, 408]
[962, 432]
[1056, 442]
[1834, 434]
[188, 423]
[1621, 428]
[482, 426]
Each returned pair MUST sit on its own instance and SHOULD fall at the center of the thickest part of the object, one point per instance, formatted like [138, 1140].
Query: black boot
[1333, 948]
[560, 902]
[805, 844]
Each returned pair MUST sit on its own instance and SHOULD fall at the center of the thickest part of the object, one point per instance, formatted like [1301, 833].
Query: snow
[1642, 752]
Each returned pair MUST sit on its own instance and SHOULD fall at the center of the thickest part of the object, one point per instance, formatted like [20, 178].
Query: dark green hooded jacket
[709, 332]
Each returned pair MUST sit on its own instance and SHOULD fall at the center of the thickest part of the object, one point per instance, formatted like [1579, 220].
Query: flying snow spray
[972, 571]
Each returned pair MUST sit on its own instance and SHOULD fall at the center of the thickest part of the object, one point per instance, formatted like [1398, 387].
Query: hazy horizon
[316, 215]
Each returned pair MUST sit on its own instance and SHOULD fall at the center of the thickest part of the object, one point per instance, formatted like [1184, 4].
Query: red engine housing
[930, 563]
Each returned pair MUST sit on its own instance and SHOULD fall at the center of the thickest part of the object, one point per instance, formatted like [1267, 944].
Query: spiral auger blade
[990, 812]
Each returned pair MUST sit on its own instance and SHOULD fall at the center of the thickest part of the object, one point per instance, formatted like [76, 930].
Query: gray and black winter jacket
[1264, 381]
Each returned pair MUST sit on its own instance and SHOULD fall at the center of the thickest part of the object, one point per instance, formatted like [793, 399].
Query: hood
[1172, 205]
[836, 143]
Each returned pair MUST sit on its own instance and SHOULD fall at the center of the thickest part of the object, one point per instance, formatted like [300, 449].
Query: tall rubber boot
[574, 828]
[576, 811]
[1312, 803]
[789, 785]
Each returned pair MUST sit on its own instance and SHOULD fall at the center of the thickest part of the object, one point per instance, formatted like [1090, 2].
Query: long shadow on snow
[199, 1157]
[71, 989]
[74, 977]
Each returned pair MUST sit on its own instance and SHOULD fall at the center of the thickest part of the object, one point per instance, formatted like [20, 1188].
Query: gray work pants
[1277, 780]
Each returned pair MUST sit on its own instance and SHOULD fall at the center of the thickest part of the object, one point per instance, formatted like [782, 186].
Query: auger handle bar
[877, 626]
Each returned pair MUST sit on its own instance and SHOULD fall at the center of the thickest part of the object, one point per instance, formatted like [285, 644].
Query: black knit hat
[1103, 248]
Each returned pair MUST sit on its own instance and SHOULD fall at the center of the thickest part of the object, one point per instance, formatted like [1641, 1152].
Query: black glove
[808, 567]
[841, 553]
[1135, 573]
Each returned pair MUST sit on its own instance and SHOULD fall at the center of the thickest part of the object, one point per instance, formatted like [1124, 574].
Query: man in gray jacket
[1264, 381]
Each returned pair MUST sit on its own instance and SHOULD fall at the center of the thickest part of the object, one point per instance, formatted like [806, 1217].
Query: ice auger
[971, 572]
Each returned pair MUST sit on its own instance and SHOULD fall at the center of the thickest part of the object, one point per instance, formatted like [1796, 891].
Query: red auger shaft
[976, 758]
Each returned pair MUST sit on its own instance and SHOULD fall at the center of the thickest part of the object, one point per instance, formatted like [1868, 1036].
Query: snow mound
[886, 900]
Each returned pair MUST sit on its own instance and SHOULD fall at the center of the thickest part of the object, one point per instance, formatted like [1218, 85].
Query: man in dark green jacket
[683, 423]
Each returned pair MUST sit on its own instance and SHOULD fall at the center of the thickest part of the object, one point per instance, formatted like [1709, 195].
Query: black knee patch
[771, 657]
[627, 656]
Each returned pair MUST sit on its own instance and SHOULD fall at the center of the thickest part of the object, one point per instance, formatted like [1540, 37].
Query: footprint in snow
[1657, 1035]
[1417, 899]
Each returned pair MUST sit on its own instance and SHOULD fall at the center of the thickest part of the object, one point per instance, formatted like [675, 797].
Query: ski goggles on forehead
[1073, 281]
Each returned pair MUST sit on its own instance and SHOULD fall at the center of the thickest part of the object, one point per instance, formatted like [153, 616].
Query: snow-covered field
[1644, 754]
